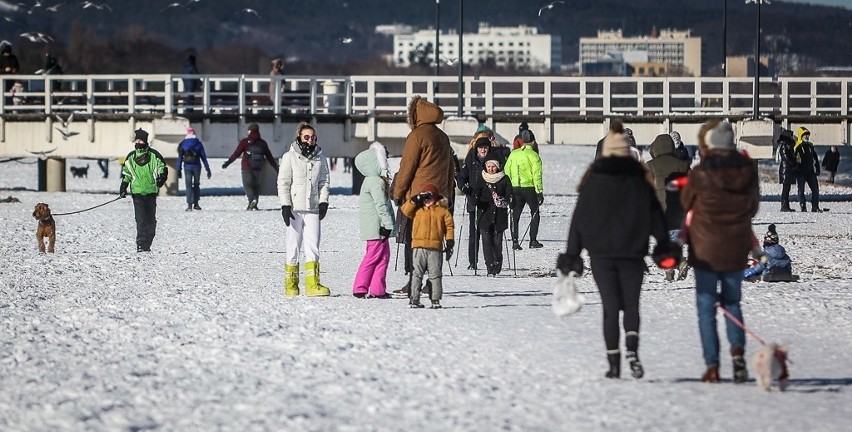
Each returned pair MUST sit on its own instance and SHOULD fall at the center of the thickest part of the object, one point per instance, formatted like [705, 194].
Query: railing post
[90, 96]
[205, 95]
[131, 95]
[489, 98]
[169, 95]
[548, 110]
[241, 95]
[313, 103]
[47, 99]
[785, 98]
[525, 92]
[583, 97]
[844, 97]
[276, 91]
[667, 97]
[726, 96]
[607, 97]
[371, 113]
[348, 83]
[640, 96]
[813, 98]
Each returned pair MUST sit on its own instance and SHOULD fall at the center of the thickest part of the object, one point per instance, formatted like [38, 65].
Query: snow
[197, 335]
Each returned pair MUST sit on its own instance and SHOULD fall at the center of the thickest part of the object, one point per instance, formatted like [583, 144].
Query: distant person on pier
[255, 152]
[8, 65]
[830, 162]
[277, 70]
[190, 84]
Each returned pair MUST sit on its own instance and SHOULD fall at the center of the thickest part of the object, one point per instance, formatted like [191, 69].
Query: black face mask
[141, 146]
[307, 149]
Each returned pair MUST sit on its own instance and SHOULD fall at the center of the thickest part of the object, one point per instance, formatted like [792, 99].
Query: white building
[672, 47]
[393, 29]
[520, 46]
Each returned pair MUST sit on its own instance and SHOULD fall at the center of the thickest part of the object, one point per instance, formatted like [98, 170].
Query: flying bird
[250, 11]
[346, 40]
[5, 42]
[43, 154]
[172, 5]
[64, 129]
[54, 8]
[37, 37]
[99, 6]
[550, 6]
[450, 61]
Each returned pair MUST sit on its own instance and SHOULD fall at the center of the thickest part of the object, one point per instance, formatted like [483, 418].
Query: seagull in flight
[250, 11]
[172, 5]
[64, 129]
[54, 8]
[450, 61]
[99, 6]
[37, 37]
[550, 6]
[346, 40]
[43, 154]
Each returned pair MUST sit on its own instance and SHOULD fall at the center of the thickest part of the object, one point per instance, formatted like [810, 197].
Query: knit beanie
[253, 127]
[616, 142]
[492, 162]
[720, 137]
[140, 134]
[771, 237]
[676, 138]
[190, 132]
[527, 136]
[482, 142]
[429, 187]
[482, 128]
[523, 126]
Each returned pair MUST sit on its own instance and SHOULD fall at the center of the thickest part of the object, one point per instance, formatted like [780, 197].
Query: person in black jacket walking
[830, 162]
[492, 198]
[617, 210]
[787, 167]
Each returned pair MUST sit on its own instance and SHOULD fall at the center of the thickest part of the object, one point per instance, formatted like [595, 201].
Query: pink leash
[739, 323]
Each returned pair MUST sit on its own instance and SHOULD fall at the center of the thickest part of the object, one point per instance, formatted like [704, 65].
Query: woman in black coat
[492, 198]
[787, 167]
[617, 210]
[830, 162]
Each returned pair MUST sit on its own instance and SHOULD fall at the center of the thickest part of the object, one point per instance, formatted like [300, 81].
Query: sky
[196, 335]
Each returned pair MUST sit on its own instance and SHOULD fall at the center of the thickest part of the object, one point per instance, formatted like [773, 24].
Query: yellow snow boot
[313, 288]
[291, 280]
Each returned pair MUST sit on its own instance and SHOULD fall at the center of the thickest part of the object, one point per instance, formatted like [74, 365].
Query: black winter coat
[616, 211]
[831, 160]
[682, 153]
[489, 214]
[807, 159]
[787, 167]
[470, 176]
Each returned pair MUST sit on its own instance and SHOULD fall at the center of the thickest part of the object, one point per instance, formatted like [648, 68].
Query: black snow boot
[803, 207]
[785, 206]
[740, 371]
[636, 368]
[403, 292]
[614, 359]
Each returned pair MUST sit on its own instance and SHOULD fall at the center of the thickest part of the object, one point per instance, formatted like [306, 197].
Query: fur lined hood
[373, 161]
[421, 112]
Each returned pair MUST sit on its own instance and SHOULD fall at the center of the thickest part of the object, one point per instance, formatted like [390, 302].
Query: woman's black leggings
[619, 281]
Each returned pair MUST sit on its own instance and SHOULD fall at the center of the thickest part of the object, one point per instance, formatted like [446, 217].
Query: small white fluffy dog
[770, 363]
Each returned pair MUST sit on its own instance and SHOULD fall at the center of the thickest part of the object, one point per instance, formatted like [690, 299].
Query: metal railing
[389, 95]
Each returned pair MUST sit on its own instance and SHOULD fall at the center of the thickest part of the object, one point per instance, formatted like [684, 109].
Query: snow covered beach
[197, 335]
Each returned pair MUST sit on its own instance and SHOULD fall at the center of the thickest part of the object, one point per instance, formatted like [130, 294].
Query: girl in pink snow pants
[376, 222]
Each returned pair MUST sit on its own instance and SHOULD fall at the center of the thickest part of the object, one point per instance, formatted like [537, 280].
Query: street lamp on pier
[756, 96]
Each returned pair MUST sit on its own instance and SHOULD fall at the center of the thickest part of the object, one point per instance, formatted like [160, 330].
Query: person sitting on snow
[778, 266]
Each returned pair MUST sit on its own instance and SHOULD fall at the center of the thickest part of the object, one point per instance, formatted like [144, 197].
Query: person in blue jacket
[778, 266]
[190, 157]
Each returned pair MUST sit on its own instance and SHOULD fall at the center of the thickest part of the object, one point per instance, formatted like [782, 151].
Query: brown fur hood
[421, 112]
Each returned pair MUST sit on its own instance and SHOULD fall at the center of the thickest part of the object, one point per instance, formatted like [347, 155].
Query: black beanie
[140, 134]
[524, 126]
[528, 137]
[253, 127]
[482, 142]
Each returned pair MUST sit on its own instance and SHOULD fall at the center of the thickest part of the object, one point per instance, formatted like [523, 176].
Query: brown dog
[46, 227]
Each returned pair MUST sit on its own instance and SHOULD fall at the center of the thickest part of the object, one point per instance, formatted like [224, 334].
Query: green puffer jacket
[524, 168]
[373, 203]
[141, 169]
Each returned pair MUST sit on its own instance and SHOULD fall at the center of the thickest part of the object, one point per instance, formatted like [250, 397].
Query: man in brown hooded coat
[426, 159]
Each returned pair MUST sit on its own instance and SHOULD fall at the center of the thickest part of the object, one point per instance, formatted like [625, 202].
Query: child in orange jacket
[432, 230]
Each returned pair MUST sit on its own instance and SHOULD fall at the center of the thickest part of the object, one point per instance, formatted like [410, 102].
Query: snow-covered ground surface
[197, 335]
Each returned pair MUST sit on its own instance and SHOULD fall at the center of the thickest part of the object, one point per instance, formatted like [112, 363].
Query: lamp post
[437, 47]
[461, 57]
[756, 96]
[725, 41]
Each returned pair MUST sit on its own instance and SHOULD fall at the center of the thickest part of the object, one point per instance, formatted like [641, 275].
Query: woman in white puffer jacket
[303, 183]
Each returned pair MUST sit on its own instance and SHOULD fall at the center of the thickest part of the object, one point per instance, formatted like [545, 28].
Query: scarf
[492, 178]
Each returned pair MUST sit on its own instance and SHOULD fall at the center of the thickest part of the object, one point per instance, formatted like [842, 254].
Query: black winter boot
[636, 368]
[403, 292]
[803, 207]
[614, 359]
[785, 206]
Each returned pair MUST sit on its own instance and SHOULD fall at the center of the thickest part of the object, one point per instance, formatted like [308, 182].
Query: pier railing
[545, 96]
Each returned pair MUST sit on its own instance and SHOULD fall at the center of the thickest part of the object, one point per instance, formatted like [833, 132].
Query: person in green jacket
[144, 171]
[524, 170]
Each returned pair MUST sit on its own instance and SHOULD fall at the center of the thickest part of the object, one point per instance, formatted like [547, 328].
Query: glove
[323, 209]
[466, 189]
[225, 165]
[398, 201]
[180, 174]
[122, 191]
[569, 263]
[540, 199]
[448, 251]
[287, 214]
[384, 233]
[666, 255]
[161, 180]
[421, 198]
[208, 174]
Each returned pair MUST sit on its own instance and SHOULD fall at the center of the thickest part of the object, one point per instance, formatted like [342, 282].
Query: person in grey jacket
[303, 183]
[376, 222]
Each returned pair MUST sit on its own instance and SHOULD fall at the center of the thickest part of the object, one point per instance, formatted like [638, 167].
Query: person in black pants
[469, 179]
[492, 198]
[144, 172]
[617, 210]
[524, 170]
[808, 170]
[787, 167]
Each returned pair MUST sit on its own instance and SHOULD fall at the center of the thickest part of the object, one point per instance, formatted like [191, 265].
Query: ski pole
[476, 240]
[396, 260]
[514, 236]
[532, 216]
[461, 229]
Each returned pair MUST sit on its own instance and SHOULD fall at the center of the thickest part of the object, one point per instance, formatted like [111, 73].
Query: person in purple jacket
[190, 157]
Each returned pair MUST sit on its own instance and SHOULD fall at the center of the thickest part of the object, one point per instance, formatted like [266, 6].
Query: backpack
[189, 156]
[256, 155]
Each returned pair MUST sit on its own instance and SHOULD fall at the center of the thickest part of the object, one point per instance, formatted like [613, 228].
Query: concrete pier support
[171, 186]
[55, 175]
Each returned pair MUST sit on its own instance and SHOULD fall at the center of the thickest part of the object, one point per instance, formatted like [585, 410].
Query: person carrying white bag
[617, 211]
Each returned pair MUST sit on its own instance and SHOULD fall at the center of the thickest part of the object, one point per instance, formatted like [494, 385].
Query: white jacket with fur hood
[303, 182]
